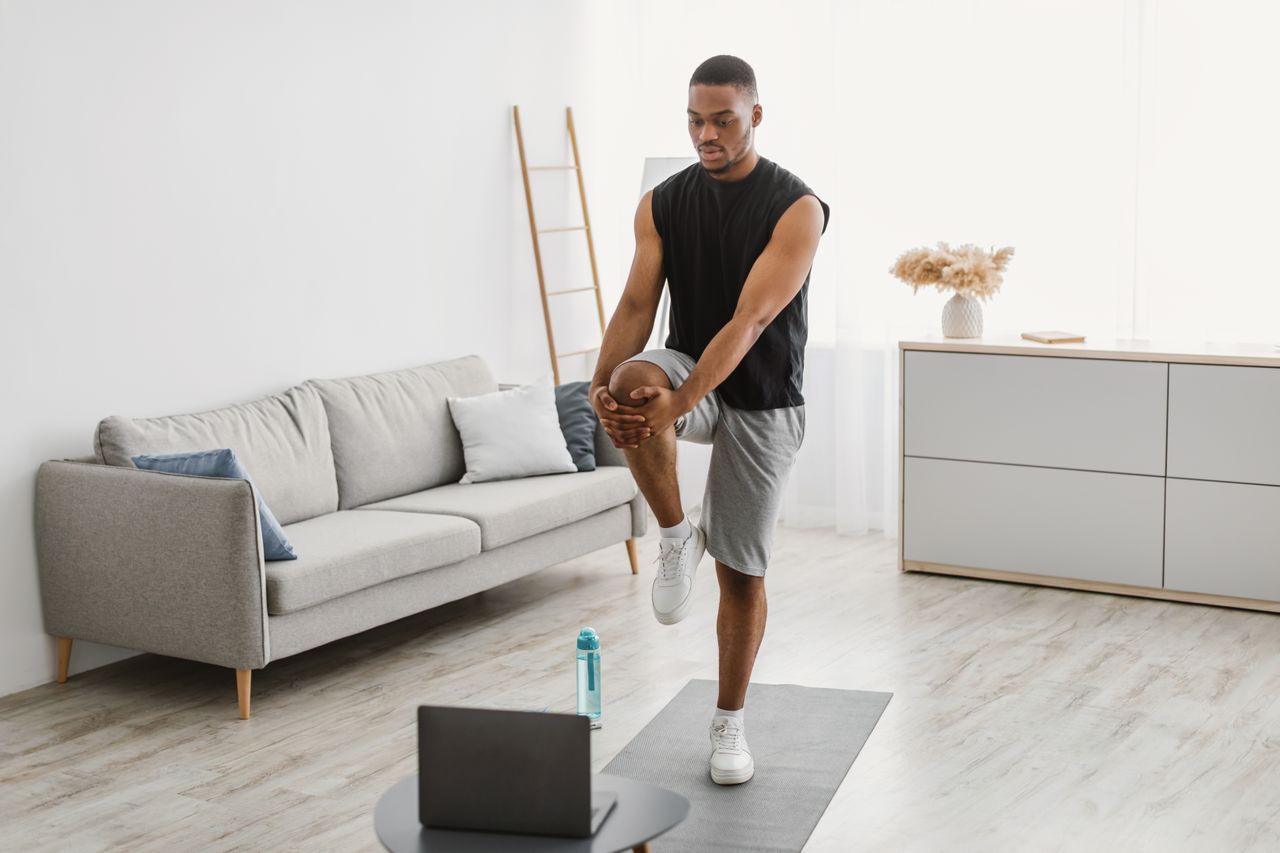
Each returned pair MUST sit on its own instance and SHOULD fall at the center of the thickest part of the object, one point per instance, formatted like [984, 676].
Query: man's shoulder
[788, 188]
[782, 177]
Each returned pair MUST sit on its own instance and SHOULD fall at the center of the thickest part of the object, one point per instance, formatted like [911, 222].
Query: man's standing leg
[739, 630]
[751, 458]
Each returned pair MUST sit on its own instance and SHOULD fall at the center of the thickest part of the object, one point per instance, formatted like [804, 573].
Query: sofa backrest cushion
[392, 432]
[282, 441]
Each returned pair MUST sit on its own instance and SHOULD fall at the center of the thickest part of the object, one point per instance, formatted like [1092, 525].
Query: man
[734, 236]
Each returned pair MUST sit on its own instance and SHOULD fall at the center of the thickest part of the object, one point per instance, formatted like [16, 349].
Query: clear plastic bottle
[589, 674]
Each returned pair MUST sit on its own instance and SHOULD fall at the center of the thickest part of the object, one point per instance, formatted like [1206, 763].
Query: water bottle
[589, 674]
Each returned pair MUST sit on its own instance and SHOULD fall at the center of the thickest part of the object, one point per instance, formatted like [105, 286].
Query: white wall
[206, 202]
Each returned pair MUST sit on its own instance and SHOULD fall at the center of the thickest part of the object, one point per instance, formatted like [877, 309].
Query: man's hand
[625, 425]
[662, 408]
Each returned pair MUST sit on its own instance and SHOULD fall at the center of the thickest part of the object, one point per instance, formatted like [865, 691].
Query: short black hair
[725, 70]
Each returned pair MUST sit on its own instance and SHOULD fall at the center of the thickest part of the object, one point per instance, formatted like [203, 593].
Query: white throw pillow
[512, 433]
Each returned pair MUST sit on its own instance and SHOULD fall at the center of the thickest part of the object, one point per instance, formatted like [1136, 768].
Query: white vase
[962, 317]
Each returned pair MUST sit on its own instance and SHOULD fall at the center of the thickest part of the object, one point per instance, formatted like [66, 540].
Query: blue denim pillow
[223, 463]
[578, 423]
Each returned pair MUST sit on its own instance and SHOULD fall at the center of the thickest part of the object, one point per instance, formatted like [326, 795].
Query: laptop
[507, 771]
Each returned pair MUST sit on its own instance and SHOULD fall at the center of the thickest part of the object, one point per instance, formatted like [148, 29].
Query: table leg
[642, 848]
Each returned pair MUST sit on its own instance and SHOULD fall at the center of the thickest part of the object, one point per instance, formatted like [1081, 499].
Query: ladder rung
[550, 168]
[576, 352]
[570, 290]
[569, 228]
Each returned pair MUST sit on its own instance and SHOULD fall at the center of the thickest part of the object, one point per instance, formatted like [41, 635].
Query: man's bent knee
[631, 375]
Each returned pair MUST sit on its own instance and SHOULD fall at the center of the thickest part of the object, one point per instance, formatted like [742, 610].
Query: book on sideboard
[1054, 337]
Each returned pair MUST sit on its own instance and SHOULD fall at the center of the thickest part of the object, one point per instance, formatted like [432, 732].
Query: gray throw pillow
[578, 423]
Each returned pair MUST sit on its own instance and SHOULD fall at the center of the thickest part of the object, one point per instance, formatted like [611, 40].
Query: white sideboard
[1127, 467]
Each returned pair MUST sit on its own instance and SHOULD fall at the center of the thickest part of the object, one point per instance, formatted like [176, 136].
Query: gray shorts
[752, 452]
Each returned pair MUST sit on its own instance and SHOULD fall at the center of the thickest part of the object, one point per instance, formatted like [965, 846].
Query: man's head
[723, 112]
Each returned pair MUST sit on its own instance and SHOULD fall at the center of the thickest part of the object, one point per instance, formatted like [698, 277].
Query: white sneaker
[731, 761]
[677, 566]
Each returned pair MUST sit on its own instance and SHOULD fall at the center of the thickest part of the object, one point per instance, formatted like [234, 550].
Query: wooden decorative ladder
[525, 169]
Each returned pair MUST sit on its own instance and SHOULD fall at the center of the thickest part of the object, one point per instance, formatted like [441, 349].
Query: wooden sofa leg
[244, 679]
[631, 552]
[64, 658]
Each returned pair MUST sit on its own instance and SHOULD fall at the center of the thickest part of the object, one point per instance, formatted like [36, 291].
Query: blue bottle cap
[587, 639]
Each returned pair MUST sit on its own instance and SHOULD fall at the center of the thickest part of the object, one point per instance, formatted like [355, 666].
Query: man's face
[721, 125]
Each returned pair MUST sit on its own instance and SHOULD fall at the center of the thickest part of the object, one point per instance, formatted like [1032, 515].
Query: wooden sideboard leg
[244, 679]
[642, 848]
[631, 552]
[64, 658]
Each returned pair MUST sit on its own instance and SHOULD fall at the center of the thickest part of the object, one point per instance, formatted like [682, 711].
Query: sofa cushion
[392, 432]
[283, 440]
[510, 510]
[344, 552]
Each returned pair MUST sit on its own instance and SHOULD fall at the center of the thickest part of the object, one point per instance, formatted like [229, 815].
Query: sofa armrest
[164, 563]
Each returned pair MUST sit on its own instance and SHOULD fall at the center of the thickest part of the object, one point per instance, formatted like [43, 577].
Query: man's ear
[757, 115]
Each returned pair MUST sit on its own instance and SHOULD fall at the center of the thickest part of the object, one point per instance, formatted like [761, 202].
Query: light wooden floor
[1023, 718]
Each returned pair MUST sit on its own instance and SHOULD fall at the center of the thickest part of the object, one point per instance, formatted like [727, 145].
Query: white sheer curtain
[1126, 148]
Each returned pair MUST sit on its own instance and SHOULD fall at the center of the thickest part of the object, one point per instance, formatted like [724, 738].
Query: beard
[726, 163]
[728, 160]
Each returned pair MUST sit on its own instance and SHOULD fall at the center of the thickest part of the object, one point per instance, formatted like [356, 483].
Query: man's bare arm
[775, 279]
[629, 330]
[632, 321]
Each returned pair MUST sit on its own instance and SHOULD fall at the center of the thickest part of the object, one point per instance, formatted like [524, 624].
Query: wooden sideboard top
[1203, 352]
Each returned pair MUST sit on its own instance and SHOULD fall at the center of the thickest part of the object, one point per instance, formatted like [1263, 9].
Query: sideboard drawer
[1044, 521]
[1224, 423]
[1094, 414]
[1223, 539]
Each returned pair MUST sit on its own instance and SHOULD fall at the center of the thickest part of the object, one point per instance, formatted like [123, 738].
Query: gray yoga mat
[803, 740]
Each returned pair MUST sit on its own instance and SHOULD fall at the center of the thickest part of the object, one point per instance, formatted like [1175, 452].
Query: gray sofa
[362, 474]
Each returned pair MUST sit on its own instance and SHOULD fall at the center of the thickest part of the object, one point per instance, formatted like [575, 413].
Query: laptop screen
[504, 771]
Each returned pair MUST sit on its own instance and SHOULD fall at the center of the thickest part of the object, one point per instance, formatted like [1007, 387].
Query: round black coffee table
[643, 812]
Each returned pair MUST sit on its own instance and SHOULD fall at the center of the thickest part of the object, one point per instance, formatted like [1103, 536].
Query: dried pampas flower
[965, 269]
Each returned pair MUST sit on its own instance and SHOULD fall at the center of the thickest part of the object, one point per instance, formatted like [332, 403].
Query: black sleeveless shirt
[712, 232]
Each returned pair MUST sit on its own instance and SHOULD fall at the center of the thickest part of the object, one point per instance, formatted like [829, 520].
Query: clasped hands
[630, 425]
